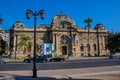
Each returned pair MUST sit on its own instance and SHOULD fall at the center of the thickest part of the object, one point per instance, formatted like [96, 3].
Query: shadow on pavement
[46, 78]
[5, 76]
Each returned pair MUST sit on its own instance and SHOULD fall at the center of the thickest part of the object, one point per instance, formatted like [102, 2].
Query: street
[68, 64]
[78, 69]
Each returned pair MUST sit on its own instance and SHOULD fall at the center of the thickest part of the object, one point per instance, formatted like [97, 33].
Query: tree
[2, 43]
[37, 47]
[88, 21]
[113, 42]
[2, 46]
[29, 46]
[25, 38]
[1, 20]
[21, 44]
[25, 44]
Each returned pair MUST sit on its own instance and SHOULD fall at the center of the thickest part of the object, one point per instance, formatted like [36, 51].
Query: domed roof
[100, 26]
[62, 18]
[18, 25]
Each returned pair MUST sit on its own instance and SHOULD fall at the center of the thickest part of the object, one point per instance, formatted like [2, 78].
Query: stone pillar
[103, 41]
[15, 45]
[58, 44]
[54, 42]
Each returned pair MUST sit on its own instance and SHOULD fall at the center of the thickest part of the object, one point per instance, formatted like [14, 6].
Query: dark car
[41, 58]
[115, 55]
[55, 59]
[28, 59]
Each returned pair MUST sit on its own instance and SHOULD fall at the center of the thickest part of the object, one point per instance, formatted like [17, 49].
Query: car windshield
[42, 56]
[4, 56]
[117, 53]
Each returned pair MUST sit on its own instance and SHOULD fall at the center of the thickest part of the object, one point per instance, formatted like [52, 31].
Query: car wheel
[1, 62]
[24, 60]
[5, 62]
[114, 57]
[118, 57]
[29, 61]
[43, 61]
[62, 60]
[51, 60]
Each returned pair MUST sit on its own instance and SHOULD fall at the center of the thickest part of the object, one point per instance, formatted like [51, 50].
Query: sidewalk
[86, 58]
[74, 58]
[64, 74]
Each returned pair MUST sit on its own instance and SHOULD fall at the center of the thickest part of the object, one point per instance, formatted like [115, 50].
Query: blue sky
[106, 12]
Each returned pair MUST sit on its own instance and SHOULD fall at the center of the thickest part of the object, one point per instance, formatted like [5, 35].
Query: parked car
[28, 58]
[114, 55]
[3, 59]
[55, 59]
[41, 58]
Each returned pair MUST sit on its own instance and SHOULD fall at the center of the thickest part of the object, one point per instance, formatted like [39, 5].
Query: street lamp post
[88, 40]
[70, 53]
[35, 14]
[98, 42]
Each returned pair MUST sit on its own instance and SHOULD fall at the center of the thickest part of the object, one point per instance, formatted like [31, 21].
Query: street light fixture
[35, 14]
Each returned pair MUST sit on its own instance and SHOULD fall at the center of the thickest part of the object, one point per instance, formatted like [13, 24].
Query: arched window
[94, 47]
[82, 47]
[64, 39]
[64, 25]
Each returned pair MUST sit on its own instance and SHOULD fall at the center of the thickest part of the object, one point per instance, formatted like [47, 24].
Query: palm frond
[1, 21]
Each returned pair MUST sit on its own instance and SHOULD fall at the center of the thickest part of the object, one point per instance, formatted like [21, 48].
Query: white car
[3, 59]
[115, 55]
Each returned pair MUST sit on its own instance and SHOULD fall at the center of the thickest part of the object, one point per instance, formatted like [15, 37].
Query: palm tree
[21, 44]
[25, 38]
[25, 43]
[29, 46]
[1, 20]
[88, 21]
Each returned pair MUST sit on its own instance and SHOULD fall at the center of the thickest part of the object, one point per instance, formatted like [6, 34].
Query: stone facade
[65, 35]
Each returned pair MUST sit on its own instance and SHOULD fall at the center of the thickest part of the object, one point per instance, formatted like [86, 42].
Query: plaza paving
[96, 73]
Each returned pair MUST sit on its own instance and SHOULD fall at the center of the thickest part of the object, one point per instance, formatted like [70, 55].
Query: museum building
[68, 39]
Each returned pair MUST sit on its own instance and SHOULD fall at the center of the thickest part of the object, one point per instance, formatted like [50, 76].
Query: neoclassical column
[57, 44]
[103, 41]
[77, 45]
[54, 41]
[15, 45]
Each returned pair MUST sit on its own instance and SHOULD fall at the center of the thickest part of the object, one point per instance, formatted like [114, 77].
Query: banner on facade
[73, 39]
[48, 48]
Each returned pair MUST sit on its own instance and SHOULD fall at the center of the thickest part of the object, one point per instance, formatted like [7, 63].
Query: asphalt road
[68, 64]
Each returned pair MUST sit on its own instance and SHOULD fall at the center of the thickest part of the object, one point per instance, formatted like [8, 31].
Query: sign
[48, 48]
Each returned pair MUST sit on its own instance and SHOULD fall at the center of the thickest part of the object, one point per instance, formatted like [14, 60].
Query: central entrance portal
[64, 50]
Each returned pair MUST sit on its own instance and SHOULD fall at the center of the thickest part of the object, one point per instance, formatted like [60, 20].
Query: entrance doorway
[64, 50]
